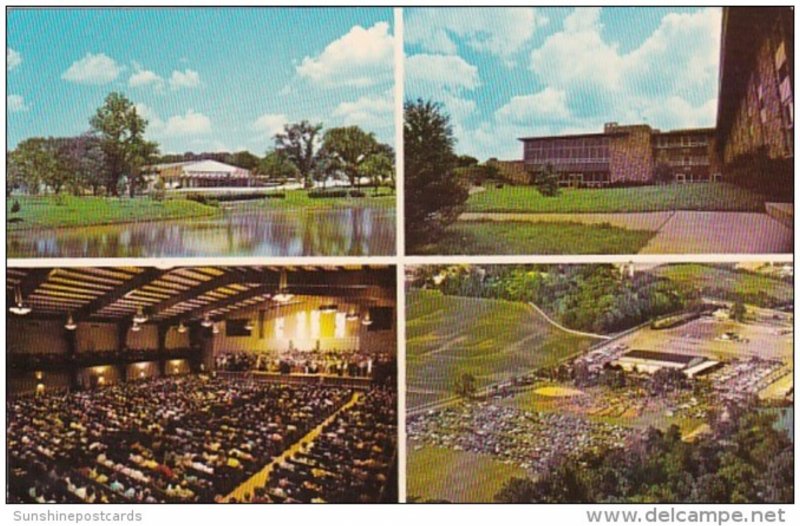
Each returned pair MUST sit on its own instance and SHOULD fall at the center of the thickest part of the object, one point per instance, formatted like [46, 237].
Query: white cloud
[144, 77]
[15, 103]
[362, 57]
[268, 125]
[500, 32]
[192, 123]
[667, 81]
[546, 106]
[426, 72]
[578, 55]
[675, 67]
[154, 122]
[184, 79]
[370, 112]
[93, 69]
[13, 59]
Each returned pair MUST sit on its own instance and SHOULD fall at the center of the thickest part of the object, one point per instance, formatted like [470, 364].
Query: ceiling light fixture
[181, 328]
[206, 321]
[19, 308]
[366, 320]
[70, 325]
[283, 295]
[140, 317]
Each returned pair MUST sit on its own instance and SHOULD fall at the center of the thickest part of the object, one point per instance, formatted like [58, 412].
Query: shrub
[547, 182]
[15, 208]
[357, 193]
[316, 194]
[758, 172]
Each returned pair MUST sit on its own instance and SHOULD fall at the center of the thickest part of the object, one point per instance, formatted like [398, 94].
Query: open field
[493, 340]
[70, 211]
[696, 196]
[524, 237]
[299, 199]
[457, 476]
[722, 283]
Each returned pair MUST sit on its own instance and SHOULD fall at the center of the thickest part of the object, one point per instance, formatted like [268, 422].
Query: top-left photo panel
[207, 132]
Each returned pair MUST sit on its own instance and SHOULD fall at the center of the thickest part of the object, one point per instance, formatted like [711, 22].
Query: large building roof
[202, 168]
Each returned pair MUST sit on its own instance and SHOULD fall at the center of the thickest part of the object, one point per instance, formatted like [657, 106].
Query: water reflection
[244, 230]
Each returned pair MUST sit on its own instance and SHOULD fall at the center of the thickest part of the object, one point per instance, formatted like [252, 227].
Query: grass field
[69, 211]
[521, 237]
[753, 288]
[447, 336]
[299, 199]
[455, 476]
[696, 196]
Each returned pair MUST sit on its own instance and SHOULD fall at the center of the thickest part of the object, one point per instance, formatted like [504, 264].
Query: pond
[241, 230]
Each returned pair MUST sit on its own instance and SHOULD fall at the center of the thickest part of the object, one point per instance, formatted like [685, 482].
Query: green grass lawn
[455, 476]
[696, 196]
[447, 336]
[523, 237]
[70, 211]
[753, 288]
[299, 199]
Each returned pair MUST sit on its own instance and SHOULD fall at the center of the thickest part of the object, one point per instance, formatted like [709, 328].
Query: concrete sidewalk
[721, 233]
[680, 232]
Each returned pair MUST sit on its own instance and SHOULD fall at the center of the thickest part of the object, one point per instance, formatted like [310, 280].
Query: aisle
[259, 480]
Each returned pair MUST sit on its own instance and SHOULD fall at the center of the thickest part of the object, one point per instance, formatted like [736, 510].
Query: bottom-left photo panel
[202, 384]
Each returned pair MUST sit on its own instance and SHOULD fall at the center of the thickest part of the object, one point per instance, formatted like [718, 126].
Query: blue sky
[510, 72]
[206, 79]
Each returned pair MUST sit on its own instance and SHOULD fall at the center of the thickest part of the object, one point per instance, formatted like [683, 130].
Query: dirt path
[565, 329]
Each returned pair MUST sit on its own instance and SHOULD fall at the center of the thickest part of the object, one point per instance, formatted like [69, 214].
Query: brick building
[624, 154]
[756, 83]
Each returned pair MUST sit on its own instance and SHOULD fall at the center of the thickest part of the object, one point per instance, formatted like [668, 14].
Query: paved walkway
[681, 232]
[721, 233]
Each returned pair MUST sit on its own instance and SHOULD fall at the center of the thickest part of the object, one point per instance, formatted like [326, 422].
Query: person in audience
[196, 439]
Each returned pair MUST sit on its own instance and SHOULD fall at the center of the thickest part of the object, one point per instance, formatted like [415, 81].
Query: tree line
[745, 460]
[595, 298]
[109, 158]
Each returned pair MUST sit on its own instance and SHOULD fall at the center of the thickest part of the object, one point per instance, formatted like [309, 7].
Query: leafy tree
[463, 161]
[350, 147]
[738, 311]
[121, 132]
[379, 168]
[86, 161]
[159, 189]
[434, 195]
[298, 144]
[142, 153]
[547, 181]
[244, 159]
[275, 165]
[465, 385]
[662, 173]
[36, 162]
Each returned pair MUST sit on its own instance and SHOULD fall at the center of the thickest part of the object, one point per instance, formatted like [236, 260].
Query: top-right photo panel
[599, 131]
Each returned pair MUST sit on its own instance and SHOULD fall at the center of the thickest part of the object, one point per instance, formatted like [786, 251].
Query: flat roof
[658, 356]
[573, 136]
[687, 131]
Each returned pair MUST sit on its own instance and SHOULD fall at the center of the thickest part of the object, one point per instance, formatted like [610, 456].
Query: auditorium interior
[229, 384]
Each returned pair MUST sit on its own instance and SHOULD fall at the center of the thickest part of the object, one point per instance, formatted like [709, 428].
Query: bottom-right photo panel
[600, 383]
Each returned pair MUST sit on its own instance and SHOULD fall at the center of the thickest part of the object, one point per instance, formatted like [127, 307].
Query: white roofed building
[198, 174]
